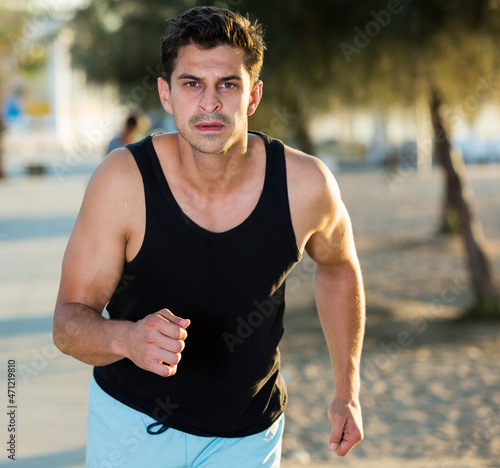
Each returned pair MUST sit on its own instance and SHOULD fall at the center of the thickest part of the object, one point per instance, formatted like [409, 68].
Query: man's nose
[210, 101]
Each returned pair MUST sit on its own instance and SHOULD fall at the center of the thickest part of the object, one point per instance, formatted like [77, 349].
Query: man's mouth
[210, 126]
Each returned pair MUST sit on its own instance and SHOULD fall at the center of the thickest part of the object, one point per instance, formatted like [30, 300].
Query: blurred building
[55, 120]
[364, 137]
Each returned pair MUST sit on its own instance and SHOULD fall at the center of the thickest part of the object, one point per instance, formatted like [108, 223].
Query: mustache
[205, 117]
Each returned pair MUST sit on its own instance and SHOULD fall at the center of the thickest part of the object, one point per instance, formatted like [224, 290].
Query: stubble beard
[208, 143]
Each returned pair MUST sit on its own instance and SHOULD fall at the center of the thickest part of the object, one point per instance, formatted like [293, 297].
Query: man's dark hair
[209, 27]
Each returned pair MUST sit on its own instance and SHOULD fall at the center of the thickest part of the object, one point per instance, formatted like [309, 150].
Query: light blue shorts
[117, 438]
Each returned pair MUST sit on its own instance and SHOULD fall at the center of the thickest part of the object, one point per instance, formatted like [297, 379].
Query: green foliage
[486, 310]
[306, 68]
[450, 224]
[118, 41]
[17, 47]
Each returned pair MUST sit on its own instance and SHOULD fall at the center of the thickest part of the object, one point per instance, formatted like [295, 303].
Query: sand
[430, 383]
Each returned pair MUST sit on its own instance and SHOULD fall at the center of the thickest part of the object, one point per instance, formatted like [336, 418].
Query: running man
[186, 238]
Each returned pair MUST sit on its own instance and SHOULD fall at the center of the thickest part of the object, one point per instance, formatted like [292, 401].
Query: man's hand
[347, 426]
[155, 343]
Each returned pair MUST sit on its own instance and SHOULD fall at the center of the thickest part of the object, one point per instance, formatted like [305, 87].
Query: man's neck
[215, 174]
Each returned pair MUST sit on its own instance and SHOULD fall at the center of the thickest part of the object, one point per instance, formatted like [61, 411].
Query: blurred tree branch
[118, 42]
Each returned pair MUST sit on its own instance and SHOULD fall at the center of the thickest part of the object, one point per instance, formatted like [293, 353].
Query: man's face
[210, 96]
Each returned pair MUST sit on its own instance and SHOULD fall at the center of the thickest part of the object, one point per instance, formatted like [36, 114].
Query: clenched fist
[155, 343]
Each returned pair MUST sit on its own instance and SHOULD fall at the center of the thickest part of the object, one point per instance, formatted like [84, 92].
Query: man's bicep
[91, 270]
[318, 212]
[95, 255]
[333, 244]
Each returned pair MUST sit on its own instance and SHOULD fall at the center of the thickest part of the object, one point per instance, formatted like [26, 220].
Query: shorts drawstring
[162, 428]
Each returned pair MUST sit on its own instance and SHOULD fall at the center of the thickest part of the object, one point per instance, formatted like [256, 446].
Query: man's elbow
[62, 329]
[59, 337]
[345, 271]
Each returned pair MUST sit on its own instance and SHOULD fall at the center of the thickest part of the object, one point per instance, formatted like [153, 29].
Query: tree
[395, 53]
[445, 41]
[298, 67]
[117, 42]
[459, 201]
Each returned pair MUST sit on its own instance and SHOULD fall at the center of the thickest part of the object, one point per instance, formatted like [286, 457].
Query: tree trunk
[300, 122]
[459, 202]
[450, 223]
[304, 141]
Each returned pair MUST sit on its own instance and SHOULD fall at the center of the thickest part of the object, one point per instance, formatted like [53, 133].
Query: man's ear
[255, 97]
[165, 96]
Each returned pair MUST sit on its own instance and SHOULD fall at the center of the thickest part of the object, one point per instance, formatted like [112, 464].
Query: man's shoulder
[118, 162]
[116, 177]
[165, 142]
[307, 172]
[312, 191]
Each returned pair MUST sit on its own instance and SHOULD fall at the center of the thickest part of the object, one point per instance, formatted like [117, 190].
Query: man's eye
[228, 85]
[191, 84]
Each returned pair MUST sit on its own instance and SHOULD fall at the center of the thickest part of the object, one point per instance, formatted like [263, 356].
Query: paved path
[36, 218]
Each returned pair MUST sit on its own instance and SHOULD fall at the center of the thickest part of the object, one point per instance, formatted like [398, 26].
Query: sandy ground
[431, 384]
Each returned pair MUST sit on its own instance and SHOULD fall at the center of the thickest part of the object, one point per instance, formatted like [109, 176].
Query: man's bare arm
[341, 308]
[92, 269]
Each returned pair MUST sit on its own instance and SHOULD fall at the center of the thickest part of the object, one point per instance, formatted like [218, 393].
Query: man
[190, 237]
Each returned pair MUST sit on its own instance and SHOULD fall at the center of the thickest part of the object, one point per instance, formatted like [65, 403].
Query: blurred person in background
[126, 136]
[186, 238]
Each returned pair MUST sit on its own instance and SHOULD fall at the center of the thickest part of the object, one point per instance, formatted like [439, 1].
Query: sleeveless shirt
[231, 286]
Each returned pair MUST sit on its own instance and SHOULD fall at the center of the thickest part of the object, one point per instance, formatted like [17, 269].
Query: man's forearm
[341, 308]
[83, 333]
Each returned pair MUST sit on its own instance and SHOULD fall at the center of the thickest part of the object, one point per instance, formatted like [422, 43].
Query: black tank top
[231, 286]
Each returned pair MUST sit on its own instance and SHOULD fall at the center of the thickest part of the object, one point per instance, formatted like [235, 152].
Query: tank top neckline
[186, 219]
